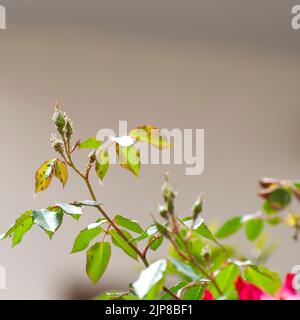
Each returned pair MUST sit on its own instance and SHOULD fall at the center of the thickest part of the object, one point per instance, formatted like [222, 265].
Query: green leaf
[150, 281]
[263, 278]
[151, 230]
[76, 216]
[129, 158]
[102, 164]
[74, 211]
[280, 198]
[48, 220]
[118, 241]
[84, 238]
[99, 222]
[21, 230]
[274, 222]
[129, 224]
[22, 225]
[155, 244]
[90, 143]
[267, 208]
[219, 257]
[254, 228]
[24, 216]
[297, 185]
[225, 280]
[88, 203]
[203, 230]
[69, 208]
[97, 260]
[61, 172]
[229, 227]
[162, 229]
[44, 174]
[193, 293]
[184, 269]
[196, 248]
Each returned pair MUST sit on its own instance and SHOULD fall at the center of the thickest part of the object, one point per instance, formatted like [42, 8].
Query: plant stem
[202, 269]
[188, 256]
[112, 223]
[149, 245]
[191, 285]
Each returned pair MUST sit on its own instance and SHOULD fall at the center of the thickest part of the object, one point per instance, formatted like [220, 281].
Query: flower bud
[168, 193]
[56, 144]
[69, 129]
[268, 182]
[163, 211]
[162, 229]
[265, 194]
[206, 254]
[92, 157]
[198, 206]
[170, 206]
[59, 119]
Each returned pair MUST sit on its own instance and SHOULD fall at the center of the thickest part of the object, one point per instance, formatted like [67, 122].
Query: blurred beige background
[231, 67]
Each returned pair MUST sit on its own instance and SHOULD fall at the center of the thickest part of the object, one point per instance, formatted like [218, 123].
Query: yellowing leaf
[291, 220]
[61, 172]
[102, 164]
[44, 174]
[142, 133]
[150, 134]
[129, 158]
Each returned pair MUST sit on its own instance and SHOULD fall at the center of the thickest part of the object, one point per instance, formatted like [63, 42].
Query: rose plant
[206, 269]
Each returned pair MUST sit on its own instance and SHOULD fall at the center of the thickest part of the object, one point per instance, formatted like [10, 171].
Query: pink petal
[288, 284]
[287, 292]
[248, 291]
[207, 295]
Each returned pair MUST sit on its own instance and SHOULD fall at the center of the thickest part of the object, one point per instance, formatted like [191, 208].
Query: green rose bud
[69, 129]
[163, 211]
[206, 254]
[59, 119]
[92, 157]
[198, 206]
[57, 144]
